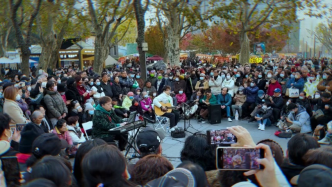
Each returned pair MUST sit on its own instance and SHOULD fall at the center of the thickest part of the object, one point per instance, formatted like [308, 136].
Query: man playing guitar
[166, 98]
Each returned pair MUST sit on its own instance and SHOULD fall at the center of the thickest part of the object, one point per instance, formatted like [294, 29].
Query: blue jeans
[228, 111]
[266, 121]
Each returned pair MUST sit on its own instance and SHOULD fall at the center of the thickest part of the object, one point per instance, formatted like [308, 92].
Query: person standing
[251, 93]
[215, 83]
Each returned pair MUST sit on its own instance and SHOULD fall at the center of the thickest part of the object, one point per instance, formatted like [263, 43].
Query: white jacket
[163, 97]
[73, 135]
[230, 85]
[215, 85]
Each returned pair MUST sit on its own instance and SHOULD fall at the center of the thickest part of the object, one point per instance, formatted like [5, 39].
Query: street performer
[166, 98]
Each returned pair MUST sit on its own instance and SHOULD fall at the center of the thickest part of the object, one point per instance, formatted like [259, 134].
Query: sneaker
[203, 121]
[324, 141]
[173, 128]
[259, 126]
[262, 127]
[230, 120]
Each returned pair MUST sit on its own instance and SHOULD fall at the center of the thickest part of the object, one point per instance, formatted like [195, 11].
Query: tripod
[187, 119]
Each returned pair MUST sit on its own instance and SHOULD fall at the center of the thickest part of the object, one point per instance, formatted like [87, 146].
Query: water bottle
[236, 115]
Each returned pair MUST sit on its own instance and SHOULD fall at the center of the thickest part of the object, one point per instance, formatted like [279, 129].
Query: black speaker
[214, 114]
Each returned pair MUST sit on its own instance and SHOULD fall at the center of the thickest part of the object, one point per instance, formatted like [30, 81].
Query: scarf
[101, 109]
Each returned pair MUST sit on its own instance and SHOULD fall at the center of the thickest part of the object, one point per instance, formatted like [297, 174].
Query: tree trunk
[25, 52]
[245, 49]
[173, 48]
[47, 47]
[101, 52]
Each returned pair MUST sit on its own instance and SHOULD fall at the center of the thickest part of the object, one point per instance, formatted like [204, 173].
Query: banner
[259, 48]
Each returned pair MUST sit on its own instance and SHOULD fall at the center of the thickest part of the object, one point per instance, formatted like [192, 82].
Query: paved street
[172, 147]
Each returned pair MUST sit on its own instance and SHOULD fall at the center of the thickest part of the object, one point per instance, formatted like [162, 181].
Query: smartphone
[22, 84]
[222, 137]
[11, 170]
[19, 127]
[238, 158]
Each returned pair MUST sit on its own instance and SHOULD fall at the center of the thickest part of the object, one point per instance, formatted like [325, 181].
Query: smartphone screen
[11, 170]
[19, 127]
[238, 158]
[221, 137]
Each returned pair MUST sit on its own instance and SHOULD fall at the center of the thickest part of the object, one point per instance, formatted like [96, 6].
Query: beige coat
[11, 108]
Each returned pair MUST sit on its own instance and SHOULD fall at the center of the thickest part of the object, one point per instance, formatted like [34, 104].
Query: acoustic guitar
[160, 112]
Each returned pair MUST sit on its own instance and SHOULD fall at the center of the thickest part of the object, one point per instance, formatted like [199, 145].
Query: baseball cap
[315, 175]
[277, 90]
[48, 144]
[178, 177]
[148, 140]
[260, 93]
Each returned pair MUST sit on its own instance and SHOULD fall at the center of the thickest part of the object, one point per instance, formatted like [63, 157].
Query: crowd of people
[294, 94]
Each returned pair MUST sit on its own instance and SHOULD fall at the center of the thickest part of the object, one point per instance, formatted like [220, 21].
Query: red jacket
[272, 87]
[81, 90]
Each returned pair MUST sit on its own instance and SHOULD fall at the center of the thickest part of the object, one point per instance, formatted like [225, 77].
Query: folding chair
[161, 121]
[87, 126]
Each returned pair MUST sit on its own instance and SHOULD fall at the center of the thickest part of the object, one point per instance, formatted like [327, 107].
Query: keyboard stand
[131, 142]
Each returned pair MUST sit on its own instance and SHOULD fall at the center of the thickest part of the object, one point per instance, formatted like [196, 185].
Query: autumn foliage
[155, 40]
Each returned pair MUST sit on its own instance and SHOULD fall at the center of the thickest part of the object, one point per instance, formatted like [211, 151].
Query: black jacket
[278, 102]
[321, 105]
[117, 90]
[107, 88]
[73, 95]
[261, 83]
[34, 92]
[161, 86]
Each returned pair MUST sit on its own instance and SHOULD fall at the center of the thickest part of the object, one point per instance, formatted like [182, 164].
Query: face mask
[97, 83]
[292, 76]
[237, 75]
[282, 75]
[171, 78]
[269, 75]
[131, 97]
[59, 81]
[252, 84]
[77, 124]
[223, 76]
[180, 92]
[264, 107]
[211, 74]
[146, 96]
[138, 93]
[166, 78]
[18, 97]
[132, 76]
[317, 96]
[160, 77]
[201, 78]
[79, 107]
[63, 93]
[154, 94]
[91, 83]
[151, 75]
[55, 88]
[235, 70]
[297, 77]
[43, 84]
[29, 88]
[324, 77]
[287, 103]
[240, 92]
[259, 76]
[228, 77]
[137, 77]
[300, 97]
[91, 112]
[176, 79]
[247, 76]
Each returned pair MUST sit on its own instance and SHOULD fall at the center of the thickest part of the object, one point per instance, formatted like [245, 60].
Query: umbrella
[5, 60]
[155, 58]
[19, 60]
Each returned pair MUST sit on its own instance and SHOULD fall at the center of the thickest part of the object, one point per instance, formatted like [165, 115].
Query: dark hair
[103, 74]
[49, 85]
[149, 168]
[166, 88]
[276, 150]
[53, 169]
[197, 150]
[60, 123]
[72, 119]
[197, 172]
[298, 146]
[4, 122]
[321, 155]
[81, 152]
[41, 182]
[326, 95]
[208, 90]
[104, 100]
[229, 177]
[78, 78]
[104, 164]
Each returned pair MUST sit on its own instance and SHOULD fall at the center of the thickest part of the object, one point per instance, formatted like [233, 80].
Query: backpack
[178, 133]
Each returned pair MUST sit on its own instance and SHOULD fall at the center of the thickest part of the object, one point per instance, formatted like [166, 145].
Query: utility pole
[314, 46]
[306, 49]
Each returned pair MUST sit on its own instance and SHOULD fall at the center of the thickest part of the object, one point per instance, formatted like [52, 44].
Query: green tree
[323, 33]
[5, 26]
[155, 39]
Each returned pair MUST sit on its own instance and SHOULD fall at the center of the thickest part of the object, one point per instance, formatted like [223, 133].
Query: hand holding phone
[242, 135]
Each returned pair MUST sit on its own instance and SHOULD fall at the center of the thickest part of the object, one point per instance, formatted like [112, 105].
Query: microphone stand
[187, 119]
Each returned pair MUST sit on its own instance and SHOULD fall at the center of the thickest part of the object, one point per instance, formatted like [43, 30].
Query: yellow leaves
[231, 44]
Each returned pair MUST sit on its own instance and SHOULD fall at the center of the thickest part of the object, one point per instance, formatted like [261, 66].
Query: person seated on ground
[145, 170]
[249, 105]
[274, 84]
[325, 84]
[328, 137]
[225, 100]
[30, 132]
[298, 120]
[202, 84]
[238, 99]
[114, 169]
[75, 131]
[263, 116]
[276, 104]
[260, 99]
[207, 100]
[324, 104]
[118, 109]
[81, 152]
[196, 149]
[310, 87]
[135, 107]
[181, 97]
[149, 88]
[104, 120]
[297, 147]
[305, 102]
[296, 82]
[146, 104]
[165, 98]
[127, 101]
